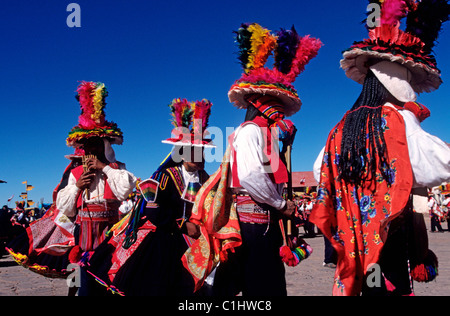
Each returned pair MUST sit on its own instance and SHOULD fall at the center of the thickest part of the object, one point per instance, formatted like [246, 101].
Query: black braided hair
[251, 113]
[363, 142]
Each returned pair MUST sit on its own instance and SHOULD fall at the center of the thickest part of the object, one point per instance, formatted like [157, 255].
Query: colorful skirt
[151, 266]
[44, 247]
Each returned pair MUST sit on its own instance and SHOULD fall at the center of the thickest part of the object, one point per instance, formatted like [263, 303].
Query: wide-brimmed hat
[92, 122]
[291, 53]
[190, 120]
[411, 48]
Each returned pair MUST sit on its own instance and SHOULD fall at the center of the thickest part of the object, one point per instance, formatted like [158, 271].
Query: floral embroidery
[338, 201]
[365, 244]
[326, 158]
[384, 125]
[322, 195]
[339, 284]
[376, 238]
[367, 207]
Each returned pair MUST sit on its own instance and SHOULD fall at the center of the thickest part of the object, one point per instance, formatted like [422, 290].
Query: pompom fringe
[293, 257]
[427, 271]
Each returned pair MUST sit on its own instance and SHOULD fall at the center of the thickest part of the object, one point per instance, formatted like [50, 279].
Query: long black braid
[363, 136]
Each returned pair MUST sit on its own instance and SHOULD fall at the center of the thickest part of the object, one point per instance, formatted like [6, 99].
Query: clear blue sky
[149, 52]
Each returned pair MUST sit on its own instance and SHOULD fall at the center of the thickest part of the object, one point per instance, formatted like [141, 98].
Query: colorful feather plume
[91, 96]
[202, 111]
[243, 36]
[293, 52]
[255, 45]
[426, 21]
[308, 48]
[99, 95]
[287, 44]
[181, 113]
[393, 11]
[92, 120]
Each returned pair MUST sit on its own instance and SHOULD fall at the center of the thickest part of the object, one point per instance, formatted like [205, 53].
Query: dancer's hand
[289, 209]
[193, 230]
[85, 180]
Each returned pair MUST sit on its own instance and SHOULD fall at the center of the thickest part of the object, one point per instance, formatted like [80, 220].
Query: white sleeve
[121, 181]
[318, 165]
[253, 177]
[429, 155]
[66, 200]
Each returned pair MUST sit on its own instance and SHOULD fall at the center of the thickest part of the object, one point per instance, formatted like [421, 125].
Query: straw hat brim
[291, 103]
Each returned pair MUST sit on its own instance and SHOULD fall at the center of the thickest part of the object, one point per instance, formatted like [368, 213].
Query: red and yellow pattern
[215, 213]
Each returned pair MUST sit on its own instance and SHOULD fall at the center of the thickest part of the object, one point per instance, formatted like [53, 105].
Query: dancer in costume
[49, 245]
[96, 189]
[45, 246]
[258, 175]
[378, 152]
[436, 213]
[143, 256]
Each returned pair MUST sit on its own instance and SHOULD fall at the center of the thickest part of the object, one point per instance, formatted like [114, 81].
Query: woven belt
[250, 212]
[98, 212]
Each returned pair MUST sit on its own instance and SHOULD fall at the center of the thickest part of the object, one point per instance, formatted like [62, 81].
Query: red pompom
[75, 254]
[287, 256]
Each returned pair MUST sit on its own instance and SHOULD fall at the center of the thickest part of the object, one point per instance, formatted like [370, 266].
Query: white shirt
[253, 175]
[429, 155]
[189, 176]
[121, 182]
[446, 202]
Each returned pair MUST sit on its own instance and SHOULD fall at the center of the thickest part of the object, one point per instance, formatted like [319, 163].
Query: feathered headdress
[291, 54]
[411, 48]
[190, 120]
[91, 121]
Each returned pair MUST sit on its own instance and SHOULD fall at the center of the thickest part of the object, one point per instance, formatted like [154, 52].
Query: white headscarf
[396, 80]
[109, 152]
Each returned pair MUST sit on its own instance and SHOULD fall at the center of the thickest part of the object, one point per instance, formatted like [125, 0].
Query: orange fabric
[215, 213]
[355, 219]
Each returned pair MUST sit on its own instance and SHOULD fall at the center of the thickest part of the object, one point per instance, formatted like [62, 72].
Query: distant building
[303, 182]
